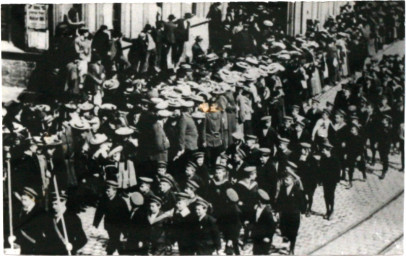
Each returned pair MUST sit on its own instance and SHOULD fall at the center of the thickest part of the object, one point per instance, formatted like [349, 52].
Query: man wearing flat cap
[264, 225]
[267, 173]
[54, 230]
[28, 227]
[384, 142]
[330, 168]
[267, 136]
[114, 209]
[205, 232]
[182, 220]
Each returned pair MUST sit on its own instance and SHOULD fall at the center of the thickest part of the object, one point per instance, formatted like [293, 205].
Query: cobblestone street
[368, 218]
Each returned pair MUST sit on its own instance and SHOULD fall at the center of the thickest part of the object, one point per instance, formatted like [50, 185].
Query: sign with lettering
[37, 16]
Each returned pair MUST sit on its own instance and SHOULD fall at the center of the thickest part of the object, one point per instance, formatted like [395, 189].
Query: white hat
[108, 106]
[115, 150]
[98, 139]
[268, 23]
[252, 60]
[86, 106]
[79, 124]
[124, 131]
[156, 100]
[164, 113]
[111, 84]
[188, 104]
[162, 105]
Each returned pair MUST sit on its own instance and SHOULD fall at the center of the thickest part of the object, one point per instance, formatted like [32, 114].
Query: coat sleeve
[182, 133]
[80, 238]
[215, 234]
[99, 214]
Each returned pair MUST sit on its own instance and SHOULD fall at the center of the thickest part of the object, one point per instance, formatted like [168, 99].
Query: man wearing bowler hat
[181, 35]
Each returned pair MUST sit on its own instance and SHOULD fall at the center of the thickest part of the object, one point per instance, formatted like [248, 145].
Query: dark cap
[198, 154]
[340, 112]
[168, 180]
[191, 164]
[146, 180]
[283, 140]
[62, 195]
[182, 196]
[251, 137]
[250, 169]
[112, 183]
[155, 199]
[202, 202]
[30, 192]
[162, 164]
[192, 184]
[265, 151]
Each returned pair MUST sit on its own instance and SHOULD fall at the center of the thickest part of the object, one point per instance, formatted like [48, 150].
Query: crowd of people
[229, 145]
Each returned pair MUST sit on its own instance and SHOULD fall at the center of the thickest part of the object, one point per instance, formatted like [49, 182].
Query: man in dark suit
[206, 234]
[266, 174]
[330, 168]
[267, 136]
[100, 42]
[298, 136]
[181, 35]
[115, 210]
[197, 50]
[181, 223]
[215, 26]
[313, 114]
[264, 225]
[169, 39]
[95, 75]
[56, 242]
[28, 226]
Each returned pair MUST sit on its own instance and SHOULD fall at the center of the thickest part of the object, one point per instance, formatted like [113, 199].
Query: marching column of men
[226, 150]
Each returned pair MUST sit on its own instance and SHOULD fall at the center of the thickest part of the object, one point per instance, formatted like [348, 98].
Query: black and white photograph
[203, 128]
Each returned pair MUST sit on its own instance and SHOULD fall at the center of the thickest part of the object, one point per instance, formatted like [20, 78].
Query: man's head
[161, 168]
[111, 189]
[220, 173]
[190, 169]
[155, 204]
[265, 154]
[59, 206]
[28, 198]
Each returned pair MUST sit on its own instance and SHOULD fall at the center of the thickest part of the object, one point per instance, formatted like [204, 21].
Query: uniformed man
[59, 222]
[384, 142]
[145, 187]
[136, 229]
[166, 193]
[231, 222]
[206, 235]
[330, 168]
[267, 174]
[307, 170]
[181, 224]
[267, 136]
[115, 212]
[28, 227]
[355, 154]
[264, 225]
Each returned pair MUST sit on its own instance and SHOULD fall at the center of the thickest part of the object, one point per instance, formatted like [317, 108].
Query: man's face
[200, 210]
[190, 192]
[190, 171]
[298, 128]
[287, 123]
[33, 148]
[111, 192]
[268, 123]
[162, 171]
[181, 204]
[144, 188]
[58, 206]
[338, 118]
[27, 202]
[164, 186]
[200, 161]
[288, 180]
[264, 159]
[253, 176]
[219, 174]
[354, 131]
[250, 143]
[154, 207]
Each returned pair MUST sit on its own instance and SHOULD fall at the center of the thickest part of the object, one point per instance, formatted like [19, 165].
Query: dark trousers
[212, 154]
[177, 51]
[114, 241]
[329, 196]
[352, 163]
[384, 155]
[204, 250]
[261, 248]
[309, 192]
[289, 226]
